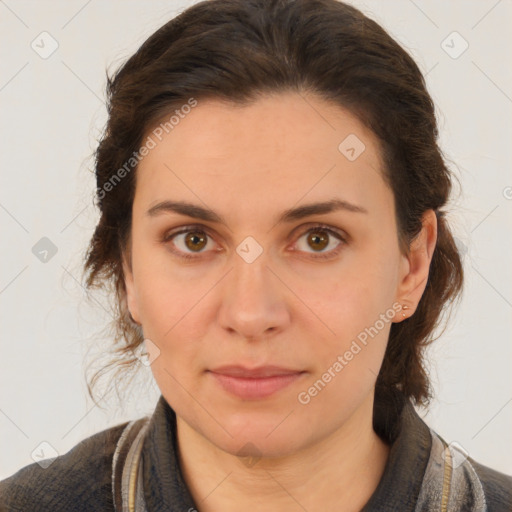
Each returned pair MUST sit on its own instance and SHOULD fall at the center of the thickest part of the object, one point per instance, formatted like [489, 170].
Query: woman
[271, 195]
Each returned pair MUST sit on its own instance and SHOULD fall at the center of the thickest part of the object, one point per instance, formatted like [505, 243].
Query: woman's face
[249, 282]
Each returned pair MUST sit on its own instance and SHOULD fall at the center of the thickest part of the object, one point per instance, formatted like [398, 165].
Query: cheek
[374, 278]
[355, 296]
[347, 364]
[356, 313]
[164, 290]
[173, 319]
[171, 302]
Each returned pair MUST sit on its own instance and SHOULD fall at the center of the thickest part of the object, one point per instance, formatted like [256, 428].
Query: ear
[415, 265]
[131, 296]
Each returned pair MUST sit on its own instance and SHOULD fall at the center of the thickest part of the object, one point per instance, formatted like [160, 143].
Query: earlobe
[418, 259]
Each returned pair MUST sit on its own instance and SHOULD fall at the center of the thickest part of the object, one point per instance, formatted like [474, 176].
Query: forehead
[276, 150]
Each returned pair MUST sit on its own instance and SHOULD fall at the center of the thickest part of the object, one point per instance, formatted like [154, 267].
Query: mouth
[256, 383]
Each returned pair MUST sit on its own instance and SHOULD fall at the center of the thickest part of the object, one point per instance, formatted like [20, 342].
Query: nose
[254, 300]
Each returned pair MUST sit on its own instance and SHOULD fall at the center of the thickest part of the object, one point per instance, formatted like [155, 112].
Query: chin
[254, 436]
[256, 446]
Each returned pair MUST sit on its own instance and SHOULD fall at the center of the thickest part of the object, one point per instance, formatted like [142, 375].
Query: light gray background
[52, 111]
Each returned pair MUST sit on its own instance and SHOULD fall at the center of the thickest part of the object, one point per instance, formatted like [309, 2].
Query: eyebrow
[293, 214]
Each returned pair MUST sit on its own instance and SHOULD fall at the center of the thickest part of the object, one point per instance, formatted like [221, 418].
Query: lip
[255, 383]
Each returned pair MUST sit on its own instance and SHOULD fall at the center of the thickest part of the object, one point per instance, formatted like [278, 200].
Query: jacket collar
[396, 421]
[164, 486]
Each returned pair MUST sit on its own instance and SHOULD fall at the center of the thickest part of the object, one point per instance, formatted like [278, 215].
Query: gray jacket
[134, 466]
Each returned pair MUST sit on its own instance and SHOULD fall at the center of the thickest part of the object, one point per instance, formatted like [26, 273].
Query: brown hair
[237, 50]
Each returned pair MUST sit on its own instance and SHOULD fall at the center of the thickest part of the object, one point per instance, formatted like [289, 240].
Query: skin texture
[286, 308]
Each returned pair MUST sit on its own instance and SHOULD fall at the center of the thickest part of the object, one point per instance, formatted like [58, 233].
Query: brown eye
[189, 242]
[195, 240]
[318, 240]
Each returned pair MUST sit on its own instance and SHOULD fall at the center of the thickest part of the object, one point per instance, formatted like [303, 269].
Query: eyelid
[185, 229]
[310, 226]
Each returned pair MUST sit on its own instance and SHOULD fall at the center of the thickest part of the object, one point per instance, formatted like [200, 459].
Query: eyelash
[317, 227]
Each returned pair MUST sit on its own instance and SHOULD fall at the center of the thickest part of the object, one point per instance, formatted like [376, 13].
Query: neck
[342, 470]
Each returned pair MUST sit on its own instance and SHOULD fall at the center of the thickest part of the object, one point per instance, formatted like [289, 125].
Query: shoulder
[80, 479]
[497, 487]
[466, 484]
